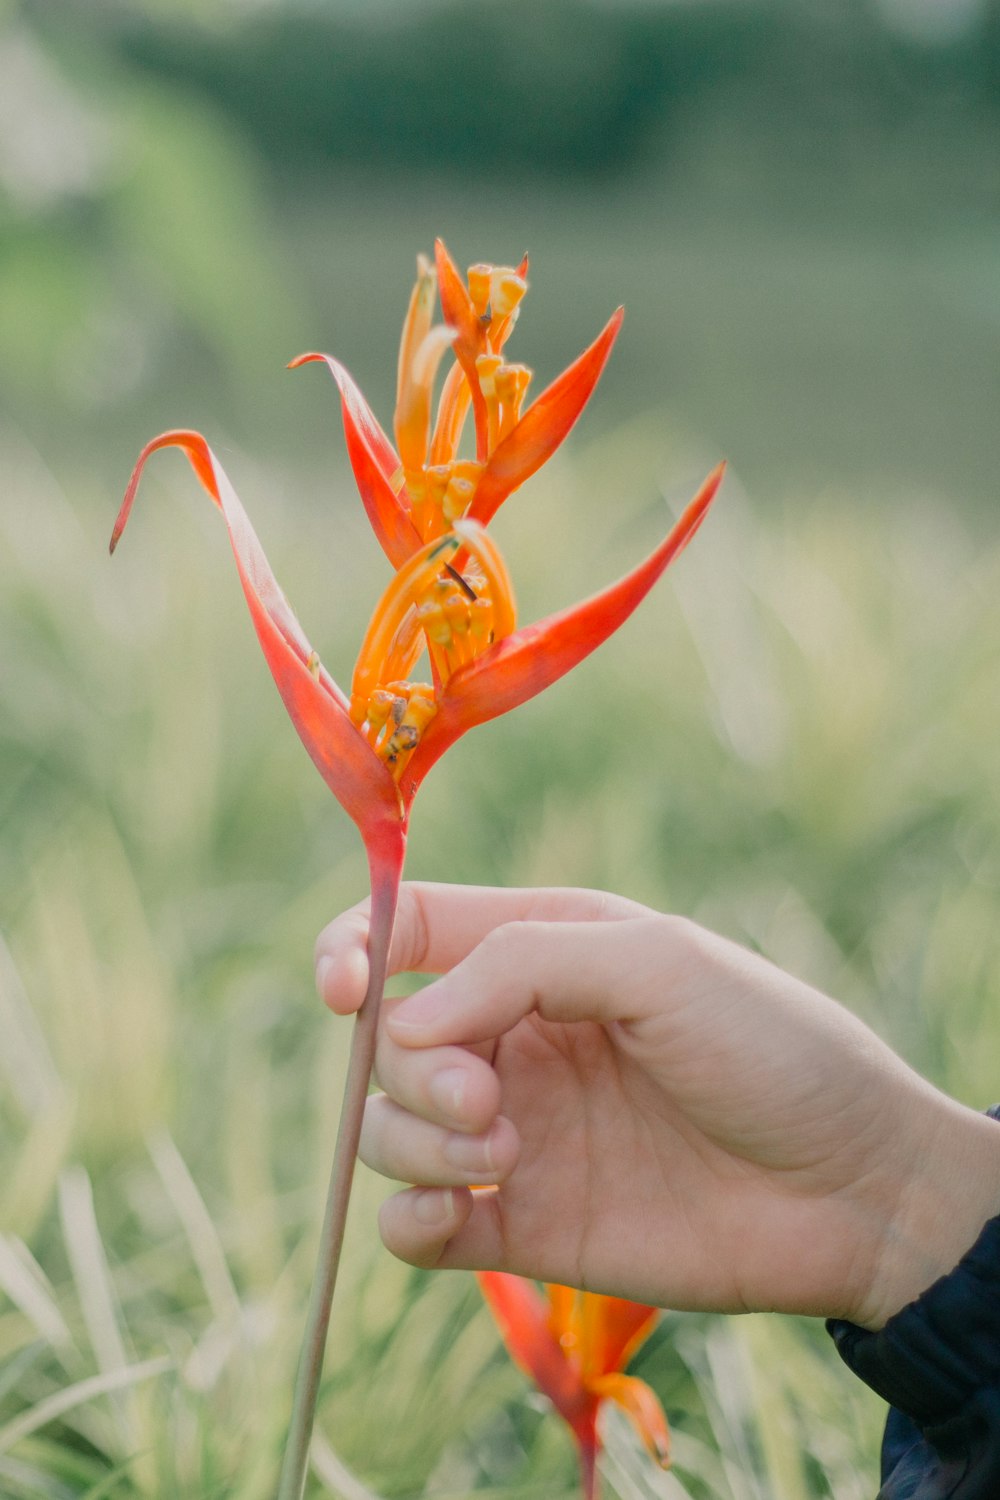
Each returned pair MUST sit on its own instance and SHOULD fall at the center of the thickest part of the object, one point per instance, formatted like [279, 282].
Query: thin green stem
[385, 890]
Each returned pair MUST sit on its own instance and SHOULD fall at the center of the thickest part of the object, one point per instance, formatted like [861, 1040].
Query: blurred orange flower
[575, 1345]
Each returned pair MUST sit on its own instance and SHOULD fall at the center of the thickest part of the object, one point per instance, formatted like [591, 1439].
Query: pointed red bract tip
[456, 304]
[352, 770]
[374, 462]
[535, 656]
[199, 456]
[698, 509]
[544, 425]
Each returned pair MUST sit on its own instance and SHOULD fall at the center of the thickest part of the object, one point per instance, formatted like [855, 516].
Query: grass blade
[77, 1394]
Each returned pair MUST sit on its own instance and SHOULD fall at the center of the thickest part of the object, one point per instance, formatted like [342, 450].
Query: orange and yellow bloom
[575, 1346]
[451, 599]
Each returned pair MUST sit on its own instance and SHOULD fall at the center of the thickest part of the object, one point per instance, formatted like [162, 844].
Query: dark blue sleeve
[937, 1363]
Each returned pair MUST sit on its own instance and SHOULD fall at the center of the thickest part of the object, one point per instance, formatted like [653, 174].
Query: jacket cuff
[937, 1363]
[938, 1352]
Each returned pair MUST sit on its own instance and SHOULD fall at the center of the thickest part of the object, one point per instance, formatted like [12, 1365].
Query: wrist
[949, 1187]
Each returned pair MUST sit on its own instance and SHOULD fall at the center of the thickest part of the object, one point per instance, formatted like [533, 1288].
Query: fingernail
[434, 1206]
[470, 1153]
[447, 1089]
[322, 970]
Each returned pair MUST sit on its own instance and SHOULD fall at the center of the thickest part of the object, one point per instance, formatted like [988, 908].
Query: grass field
[793, 741]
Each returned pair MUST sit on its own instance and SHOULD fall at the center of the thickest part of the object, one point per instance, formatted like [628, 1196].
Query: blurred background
[794, 741]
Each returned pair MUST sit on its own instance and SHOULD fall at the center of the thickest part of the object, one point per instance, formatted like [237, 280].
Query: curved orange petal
[470, 336]
[543, 426]
[315, 704]
[530, 660]
[375, 464]
[563, 1308]
[613, 1329]
[640, 1404]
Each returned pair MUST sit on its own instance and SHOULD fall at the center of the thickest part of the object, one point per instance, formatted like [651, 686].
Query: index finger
[439, 925]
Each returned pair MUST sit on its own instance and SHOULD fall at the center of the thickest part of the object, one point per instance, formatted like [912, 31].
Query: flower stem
[385, 878]
[588, 1470]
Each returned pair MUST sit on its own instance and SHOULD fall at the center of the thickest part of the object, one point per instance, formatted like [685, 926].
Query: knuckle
[507, 938]
[369, 1145]
[677, 941]
[384, 1070]
[608, 906]
[411, 933]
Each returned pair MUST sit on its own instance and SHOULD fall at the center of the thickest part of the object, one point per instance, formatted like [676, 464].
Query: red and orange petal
[315, 704]
[562, 1341]
[535, 656]
[543, 426]
[613, 1329]
[640, 1404]
[375, 465]
[522, 1315]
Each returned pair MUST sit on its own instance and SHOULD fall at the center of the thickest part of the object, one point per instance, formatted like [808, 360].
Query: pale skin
[662, 1114]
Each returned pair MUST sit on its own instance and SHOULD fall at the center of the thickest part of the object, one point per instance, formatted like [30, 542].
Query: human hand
[665, 1115]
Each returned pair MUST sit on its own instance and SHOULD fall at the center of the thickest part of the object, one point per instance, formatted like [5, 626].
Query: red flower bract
[575, 1345]
[454, 599]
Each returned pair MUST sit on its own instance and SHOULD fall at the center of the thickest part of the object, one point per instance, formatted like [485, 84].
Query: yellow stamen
[480, 281]
[427, 512]
[379, 707]
[506, 290]
[457, 500]
[419, 570]
[487, 367]
[434, 624]
[467, 468]
[456, 612]
[397, 747]
[511, 383]
[481, 621]
[498, 588]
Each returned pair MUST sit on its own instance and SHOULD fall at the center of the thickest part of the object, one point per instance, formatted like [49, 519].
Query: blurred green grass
[794, 740]
[791, 741]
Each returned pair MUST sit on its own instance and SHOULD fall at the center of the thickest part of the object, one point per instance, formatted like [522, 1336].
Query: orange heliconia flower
[575, 1345]
[451, 598]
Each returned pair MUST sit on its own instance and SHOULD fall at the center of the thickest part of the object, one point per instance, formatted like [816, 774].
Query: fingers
[438, 925]
[341, 959]
[446, 1229]
[563, 972]
[400, 1146]
[419, 1224]
[449, 1086]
